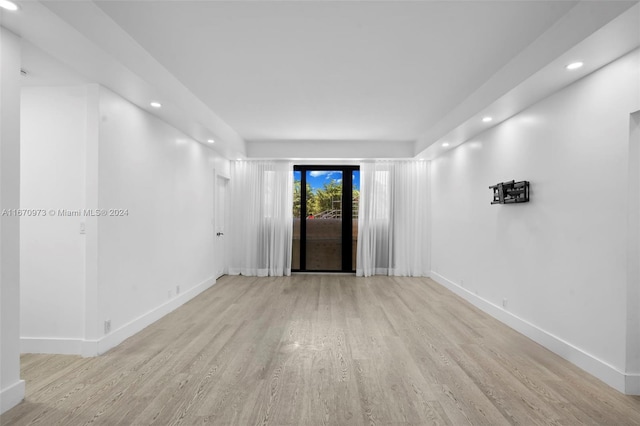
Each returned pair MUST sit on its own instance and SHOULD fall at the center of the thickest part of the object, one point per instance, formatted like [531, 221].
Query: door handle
[219, 234]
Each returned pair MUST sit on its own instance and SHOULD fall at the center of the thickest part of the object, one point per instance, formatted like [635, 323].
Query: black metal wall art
[510, 192]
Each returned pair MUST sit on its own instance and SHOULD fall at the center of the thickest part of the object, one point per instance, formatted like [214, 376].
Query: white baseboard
[11, 396]
[88, 348]
[622, 382]
[632, 384]
[47, 345]
[111, 340]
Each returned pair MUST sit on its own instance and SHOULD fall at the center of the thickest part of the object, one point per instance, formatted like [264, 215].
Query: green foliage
[297, 196]
[325, 199]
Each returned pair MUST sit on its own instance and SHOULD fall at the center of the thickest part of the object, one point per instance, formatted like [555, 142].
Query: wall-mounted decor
[510, 192]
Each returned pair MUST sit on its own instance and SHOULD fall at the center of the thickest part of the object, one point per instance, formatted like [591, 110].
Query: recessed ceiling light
[156, 104]
[575, 65]
[211, 141]
[487, 119]
[9, 5]
[445, 144]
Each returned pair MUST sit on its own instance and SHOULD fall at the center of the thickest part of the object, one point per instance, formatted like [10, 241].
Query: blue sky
[317, 178]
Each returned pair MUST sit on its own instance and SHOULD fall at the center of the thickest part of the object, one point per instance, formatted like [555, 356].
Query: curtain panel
[393, 219]
[261, 220]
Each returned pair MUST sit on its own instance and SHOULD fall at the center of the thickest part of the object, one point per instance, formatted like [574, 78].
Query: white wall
[52, 250]
[11, 387]
[87, 148]
[633, 254]
[166, 183]
[560, 260]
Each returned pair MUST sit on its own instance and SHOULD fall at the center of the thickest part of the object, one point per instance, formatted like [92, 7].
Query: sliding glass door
[325, 228]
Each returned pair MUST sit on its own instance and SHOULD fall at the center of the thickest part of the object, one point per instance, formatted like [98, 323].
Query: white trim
[94, 347]
[11, 396]
[121, 334]
[50, 345]
[632, 384]
[391, 272]
[258, 272]
[622, 382]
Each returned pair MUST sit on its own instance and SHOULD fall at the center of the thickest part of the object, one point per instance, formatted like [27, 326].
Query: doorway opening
[325, 218]
[221, 219]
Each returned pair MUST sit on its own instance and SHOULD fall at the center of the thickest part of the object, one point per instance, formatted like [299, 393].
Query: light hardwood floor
[320, 350]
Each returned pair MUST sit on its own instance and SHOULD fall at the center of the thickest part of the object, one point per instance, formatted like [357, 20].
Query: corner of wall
[632, 384]
[11, 396]
[11, 387]
[90, 347]
[91, 306]
[622, 382]
[111, 340]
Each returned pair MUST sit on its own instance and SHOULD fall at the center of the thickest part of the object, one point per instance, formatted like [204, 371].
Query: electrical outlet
[177, 290]
[504, 303]
[107, 326]
[462, 283]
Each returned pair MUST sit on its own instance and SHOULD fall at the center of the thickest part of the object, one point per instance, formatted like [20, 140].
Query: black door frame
[347, 209]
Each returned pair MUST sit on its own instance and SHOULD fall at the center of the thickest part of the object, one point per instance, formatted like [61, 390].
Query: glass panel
[295, 248]
[324, 220]
[355, 196]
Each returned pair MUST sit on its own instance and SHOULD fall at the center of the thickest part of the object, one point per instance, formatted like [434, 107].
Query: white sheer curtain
[261, 219]
[393, 219]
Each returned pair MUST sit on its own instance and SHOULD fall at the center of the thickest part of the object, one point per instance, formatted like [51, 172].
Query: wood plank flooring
[320, 350]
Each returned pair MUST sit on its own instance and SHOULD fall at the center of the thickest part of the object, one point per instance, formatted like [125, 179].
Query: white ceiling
[371, 78]
[333, 70]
